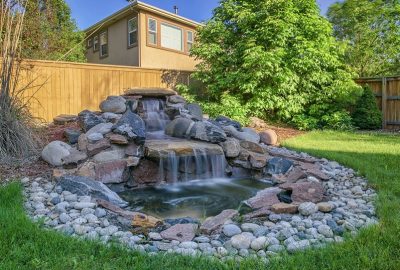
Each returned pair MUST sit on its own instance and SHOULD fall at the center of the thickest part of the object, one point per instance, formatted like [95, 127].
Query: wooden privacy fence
[387, 92]
[68, 88]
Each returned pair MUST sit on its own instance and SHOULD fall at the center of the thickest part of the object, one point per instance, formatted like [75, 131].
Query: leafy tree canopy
[277, 57]
[50, 33]
[371, 31]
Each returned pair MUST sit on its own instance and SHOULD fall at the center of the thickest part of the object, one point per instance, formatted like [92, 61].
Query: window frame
[156, 32]
[129, 32]
[100, 45]
[89, 43]
[96, 42]
[182, 50]
[189, 42]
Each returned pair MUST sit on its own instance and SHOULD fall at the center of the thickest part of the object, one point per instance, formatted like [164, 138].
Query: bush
[366, 114]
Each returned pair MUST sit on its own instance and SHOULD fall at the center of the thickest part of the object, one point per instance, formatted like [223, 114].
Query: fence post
[384, 101]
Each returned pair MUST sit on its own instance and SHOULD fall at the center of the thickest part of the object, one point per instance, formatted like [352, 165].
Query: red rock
[265, 198]
[180, 232]
[82, 142]
[314, 170]
[269, 137]
[118, 139]
[147, 173]
[87, 170]
[258, 161]
[284, 208]
[112, 172]
[305, 191]
[97, 147]
[214, 224]
[292, 176]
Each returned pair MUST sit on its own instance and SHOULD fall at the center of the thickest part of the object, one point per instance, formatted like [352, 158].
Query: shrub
[366, 114]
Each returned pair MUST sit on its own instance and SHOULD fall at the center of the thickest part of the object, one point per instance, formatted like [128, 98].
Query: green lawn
[24, 245]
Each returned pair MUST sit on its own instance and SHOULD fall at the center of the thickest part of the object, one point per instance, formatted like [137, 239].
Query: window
[171, 37]
[96, 43]
[132, 32]
[103, 44]
[152, 32]
[89, 43]
[189, 40]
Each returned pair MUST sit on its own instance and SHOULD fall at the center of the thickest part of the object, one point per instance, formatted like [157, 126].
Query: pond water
[197, 199]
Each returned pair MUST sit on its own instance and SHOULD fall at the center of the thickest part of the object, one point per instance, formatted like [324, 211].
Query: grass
[24, 245]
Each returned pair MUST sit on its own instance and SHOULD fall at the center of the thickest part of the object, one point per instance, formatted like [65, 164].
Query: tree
[371, 32]
[366, 114]
[278, 58]
[50, 33]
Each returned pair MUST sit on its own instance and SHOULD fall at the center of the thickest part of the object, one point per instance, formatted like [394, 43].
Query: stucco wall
[118, 51]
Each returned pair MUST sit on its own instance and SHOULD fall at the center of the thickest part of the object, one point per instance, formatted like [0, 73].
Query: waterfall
[154, 117]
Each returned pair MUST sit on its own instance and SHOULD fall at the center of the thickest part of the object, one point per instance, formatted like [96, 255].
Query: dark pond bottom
[197, 199]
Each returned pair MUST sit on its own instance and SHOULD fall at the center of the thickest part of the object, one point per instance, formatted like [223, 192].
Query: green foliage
[371, 32]
[50, 33]
[276, 59]
[366, 114]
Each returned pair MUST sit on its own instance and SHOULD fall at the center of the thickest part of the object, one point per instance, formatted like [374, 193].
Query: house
[142, 35]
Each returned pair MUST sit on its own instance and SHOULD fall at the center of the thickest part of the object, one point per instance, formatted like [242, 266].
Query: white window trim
[187, 38]
[182, 39]
[130, 44]
[106, 34]
[152, 31]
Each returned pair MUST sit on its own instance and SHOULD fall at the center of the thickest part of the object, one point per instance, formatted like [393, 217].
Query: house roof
[138, 5]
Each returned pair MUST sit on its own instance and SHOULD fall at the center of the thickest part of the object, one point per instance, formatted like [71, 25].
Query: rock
[88, 119]
[214, 224]
[284, 208]
[325, 230]
[134, 150]
[112, 117]
[196, 111]
[149, 92]
[278, 165]
[291, 176]
[64, 218]
[102, 128]
[62, 119]
[258, 243]
[111, 172]
[113, 104]
[131, 126]
[308, 208]
[269, 137]
[100, 212]
[231, 230]
[243, 240]
[118, 139]
[83, 186]
[86, 170]
[257, 161]
[206, 131]
[95, 148]
[83, 205]
[183, 220]
[107, 156]
[223, 121]
[265, 198]
[82, 142]
[243, 136]
[231, 147]
[72, 135]
[132, 161]
[314, 170]
[175, 99]
[325, 207]
[249, 227]
[147, 173]
[73, 159]
[55, 151]
[305, 191]
[179, 127]
[297, 246]
[94, 137]
[180, 232]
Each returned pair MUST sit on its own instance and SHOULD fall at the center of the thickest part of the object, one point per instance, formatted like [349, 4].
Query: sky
[88, 12]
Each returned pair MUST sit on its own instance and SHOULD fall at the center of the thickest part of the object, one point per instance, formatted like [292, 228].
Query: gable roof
[138, 5]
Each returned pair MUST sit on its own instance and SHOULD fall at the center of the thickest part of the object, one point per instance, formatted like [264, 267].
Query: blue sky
[88, 12]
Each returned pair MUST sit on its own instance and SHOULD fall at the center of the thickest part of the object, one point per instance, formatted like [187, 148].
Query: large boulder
[195, 111]
[107, 156]
[265, 198]
[87, 120]
[279, 165]
[179, 127]
[55, 152]
[113, 104]
[305, 191]
[242, 135]
[131, 126]
[231, 147]
[269, 137]
[112, 172]
[83, 186]
[206, 131]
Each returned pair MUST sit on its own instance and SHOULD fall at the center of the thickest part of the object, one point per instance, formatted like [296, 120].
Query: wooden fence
[68, 88]
[387, 92]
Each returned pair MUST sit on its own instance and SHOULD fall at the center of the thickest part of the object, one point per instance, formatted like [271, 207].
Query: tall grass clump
[17, 139]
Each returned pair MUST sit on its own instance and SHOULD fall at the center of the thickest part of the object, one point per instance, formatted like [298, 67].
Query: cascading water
[155, 117]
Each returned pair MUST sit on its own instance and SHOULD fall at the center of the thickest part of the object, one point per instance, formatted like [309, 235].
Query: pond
[198, 198]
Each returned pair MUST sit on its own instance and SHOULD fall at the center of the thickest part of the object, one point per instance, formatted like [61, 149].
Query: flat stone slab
[213, 224]
[150, 92]
[180, 232]
[156, 149]
[265, 198]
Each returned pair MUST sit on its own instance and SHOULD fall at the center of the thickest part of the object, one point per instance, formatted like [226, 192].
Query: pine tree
[367, 114]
